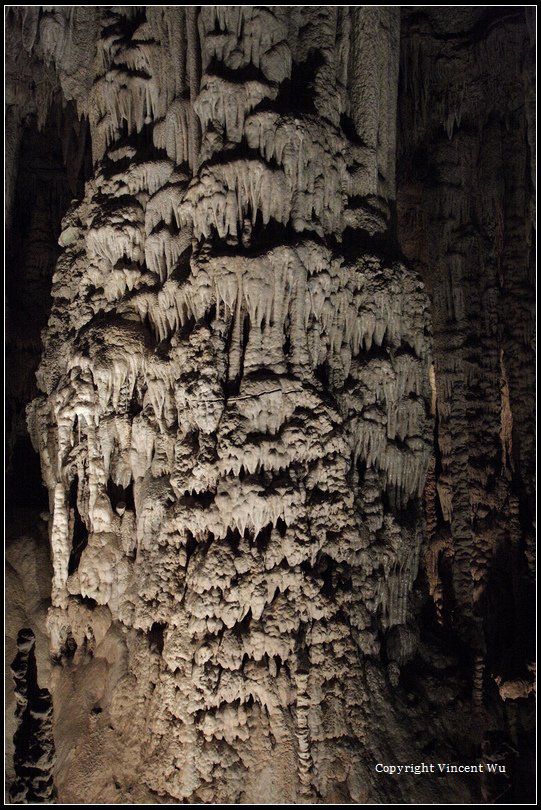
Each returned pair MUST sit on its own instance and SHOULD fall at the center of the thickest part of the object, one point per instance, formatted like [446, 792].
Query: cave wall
[466, 220]
[282, 322]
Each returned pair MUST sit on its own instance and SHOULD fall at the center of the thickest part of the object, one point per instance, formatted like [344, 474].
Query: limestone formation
[262, 473]
[33, 740]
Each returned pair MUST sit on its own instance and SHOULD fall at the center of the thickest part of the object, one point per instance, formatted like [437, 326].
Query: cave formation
[270, 402]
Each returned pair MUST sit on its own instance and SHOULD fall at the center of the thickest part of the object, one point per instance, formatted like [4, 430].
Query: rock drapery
[279, 514]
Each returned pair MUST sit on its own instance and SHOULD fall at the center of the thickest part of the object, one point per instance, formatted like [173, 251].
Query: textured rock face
[466, 219]
[235, 417]
[33, 739]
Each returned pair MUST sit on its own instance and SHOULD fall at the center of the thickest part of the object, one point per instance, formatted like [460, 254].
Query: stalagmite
[283, 420]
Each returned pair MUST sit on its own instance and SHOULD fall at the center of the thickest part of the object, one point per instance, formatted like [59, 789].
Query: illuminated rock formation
[236, 403]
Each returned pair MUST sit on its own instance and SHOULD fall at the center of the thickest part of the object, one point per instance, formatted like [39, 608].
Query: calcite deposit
[279, 511]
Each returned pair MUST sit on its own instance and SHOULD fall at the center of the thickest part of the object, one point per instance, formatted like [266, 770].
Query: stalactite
[241, 409]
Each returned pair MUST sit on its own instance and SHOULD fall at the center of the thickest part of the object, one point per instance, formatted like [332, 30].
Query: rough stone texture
[465, 211]
[33, 740]
[279, 517]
